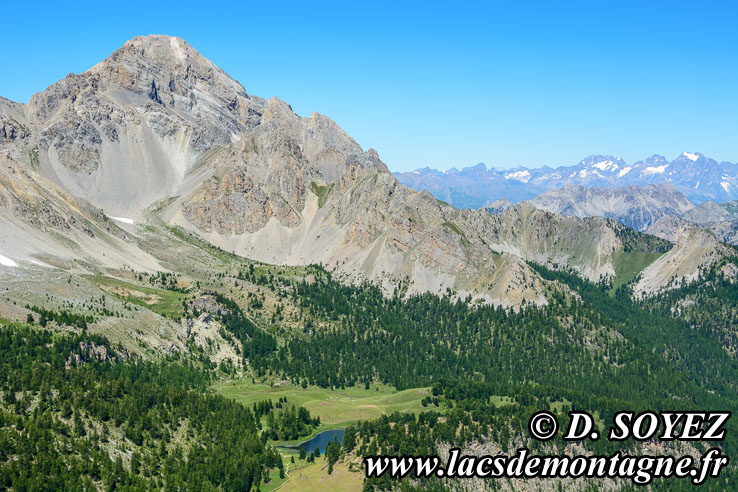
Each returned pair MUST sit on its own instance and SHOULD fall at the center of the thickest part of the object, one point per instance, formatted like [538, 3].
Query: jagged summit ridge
[172, 73]
[128, 132]
[162, 76]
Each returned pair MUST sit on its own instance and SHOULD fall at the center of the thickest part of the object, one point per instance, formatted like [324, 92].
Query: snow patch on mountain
[522, 176]
[125, 220]
[624, 171]
[655, 169]
[605, 165]
[5, 261]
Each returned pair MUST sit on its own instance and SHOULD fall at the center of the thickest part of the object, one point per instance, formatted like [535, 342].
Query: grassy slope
[314, 477]
[334, 407]
[629, 265]
[304, 476]
[163, 302]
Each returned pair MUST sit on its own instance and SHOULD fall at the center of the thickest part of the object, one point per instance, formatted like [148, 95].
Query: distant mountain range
[698, 177]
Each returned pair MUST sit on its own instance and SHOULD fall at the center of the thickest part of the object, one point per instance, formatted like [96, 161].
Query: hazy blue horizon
[430, 84]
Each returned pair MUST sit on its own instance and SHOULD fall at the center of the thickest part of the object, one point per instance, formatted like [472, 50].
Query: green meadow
[335, 407]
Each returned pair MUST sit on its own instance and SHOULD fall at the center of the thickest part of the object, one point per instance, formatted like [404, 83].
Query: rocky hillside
[156, 133]
[710, 211]
[725, 230]
[695, 250]
[634, 206]
[42, 223]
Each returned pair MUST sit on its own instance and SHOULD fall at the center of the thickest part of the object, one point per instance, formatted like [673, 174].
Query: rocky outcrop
[694, 252]
[498, 206]
[725, 230]
[710, 211]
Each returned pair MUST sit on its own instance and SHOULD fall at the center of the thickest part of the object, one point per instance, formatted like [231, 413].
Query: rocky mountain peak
[654, 159]
[153, 73]
[692, 156]
[170, 63]
[602, 162]
[498, 206]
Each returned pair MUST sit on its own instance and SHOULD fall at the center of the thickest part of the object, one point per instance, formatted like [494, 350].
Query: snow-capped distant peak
[605, 165]
[690, 156]
[522, 176]
[655, 169]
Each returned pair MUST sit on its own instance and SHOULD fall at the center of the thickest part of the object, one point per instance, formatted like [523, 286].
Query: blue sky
[437, 84]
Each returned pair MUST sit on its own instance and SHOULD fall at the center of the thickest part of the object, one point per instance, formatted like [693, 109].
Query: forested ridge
[76, 416]
[599, 346]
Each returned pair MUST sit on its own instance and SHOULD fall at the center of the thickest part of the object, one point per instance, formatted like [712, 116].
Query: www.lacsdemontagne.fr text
[641, 469]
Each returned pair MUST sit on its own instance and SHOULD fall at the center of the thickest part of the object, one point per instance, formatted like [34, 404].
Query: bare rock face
[498, 206]
[125, 133]
[709, 211]
[725, 230]
[75, 141]
[42, 223]
[147, 75]
[695, 250]
[720, 218]
[670, 228]
[11, 130]
[586, 245]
